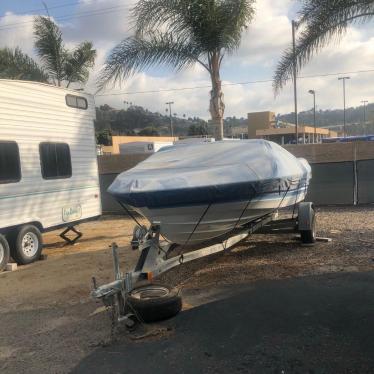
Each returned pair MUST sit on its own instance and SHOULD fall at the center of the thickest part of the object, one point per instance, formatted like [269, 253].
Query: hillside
[334, 118]
[137, 120]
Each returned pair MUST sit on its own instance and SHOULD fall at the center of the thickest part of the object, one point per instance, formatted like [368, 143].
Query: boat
[198, 192]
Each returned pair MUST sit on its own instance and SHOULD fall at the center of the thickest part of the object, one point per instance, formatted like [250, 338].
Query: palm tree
[320, 21]
[78, 63]
[58, 64]
[179, 34]
[16, 65]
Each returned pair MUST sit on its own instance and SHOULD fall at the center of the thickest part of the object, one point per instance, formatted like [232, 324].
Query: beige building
[286, 135]
[117, 140]
[264, 125]
[259, 121]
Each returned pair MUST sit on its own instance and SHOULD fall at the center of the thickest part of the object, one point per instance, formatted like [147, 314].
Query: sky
[107, 22]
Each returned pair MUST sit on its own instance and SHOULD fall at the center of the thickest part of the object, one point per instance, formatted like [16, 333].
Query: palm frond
[78, 63]
[139, 53]
[322, 21]
[50, 47]
[235, 16]
[14, 64]
[335, 11]
[212, 24]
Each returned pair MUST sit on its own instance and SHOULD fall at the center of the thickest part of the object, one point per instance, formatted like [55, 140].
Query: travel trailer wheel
[4, 252]
[154, 302]
[27, 244]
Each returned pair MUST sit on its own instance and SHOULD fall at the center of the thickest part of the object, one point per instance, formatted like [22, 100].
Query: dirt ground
[48, 322]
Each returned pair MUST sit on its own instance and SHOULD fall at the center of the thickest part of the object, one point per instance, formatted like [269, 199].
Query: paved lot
[319, 324]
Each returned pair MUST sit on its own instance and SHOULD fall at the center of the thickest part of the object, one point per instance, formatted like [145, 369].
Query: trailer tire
[26, 244]
[153, 302]
[4, 252]
[308, 236]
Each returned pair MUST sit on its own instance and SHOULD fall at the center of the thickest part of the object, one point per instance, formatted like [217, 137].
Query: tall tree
[60, 63]
[16, 65]
[320, 21]
[50, 48]
[78, 63]
[179, 34]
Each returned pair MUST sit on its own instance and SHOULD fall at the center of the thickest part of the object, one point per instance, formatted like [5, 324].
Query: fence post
[355, 176]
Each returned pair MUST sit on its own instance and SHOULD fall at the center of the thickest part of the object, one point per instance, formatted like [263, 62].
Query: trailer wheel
[154, 302]
[307, 223]
[4, 252]
[26, 246]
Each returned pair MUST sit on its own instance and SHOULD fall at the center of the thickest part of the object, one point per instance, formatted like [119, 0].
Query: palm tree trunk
[217, 106]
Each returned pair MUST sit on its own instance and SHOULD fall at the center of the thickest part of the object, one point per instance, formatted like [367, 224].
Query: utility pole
[313, 92]
[294, 28]
[364, 102]
[171, 119]
[344, 79]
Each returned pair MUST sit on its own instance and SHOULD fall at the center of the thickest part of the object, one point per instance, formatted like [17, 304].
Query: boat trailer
[154, 260]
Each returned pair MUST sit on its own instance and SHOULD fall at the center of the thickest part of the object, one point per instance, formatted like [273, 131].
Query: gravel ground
[48, 322]
[280, 256]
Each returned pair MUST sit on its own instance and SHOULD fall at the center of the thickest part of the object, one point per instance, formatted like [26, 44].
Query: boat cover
[210, 173]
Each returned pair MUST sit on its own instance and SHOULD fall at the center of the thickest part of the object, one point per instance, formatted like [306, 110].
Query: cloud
[16, 31]
[266, 36]
[103, 21]
[262, 45]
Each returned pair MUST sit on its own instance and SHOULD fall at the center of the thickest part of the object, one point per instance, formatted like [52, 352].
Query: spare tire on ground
[4, 252]
[152, 302]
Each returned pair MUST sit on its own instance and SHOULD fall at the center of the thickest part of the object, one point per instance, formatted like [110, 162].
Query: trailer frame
[154, 260]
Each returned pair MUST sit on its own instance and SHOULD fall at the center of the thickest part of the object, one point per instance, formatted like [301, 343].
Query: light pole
[344, 79]
[313, 92]
[171, 119]
[294, 28]
[364, 102]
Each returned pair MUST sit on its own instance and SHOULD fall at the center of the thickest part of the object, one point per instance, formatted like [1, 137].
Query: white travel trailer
[48, 165]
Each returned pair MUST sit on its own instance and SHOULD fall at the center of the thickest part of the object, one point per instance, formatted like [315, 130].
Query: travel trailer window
[10, 168]
[76, 102]
[55, 160]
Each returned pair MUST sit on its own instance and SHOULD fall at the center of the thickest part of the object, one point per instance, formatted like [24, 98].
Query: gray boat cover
[211, 172]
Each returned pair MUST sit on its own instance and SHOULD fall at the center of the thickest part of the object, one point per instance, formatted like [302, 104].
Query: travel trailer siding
[48, 163]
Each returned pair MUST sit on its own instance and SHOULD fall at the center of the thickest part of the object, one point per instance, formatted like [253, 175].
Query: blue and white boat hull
[178, 223]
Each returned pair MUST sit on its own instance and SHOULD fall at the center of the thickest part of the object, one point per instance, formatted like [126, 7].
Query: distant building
[239, 132]
[259, 121]
[144, 147]
[286, 135]
[194, 140]
[265, 125]
[117, 140]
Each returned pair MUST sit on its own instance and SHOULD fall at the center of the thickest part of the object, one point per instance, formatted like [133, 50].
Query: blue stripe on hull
[211, 194]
